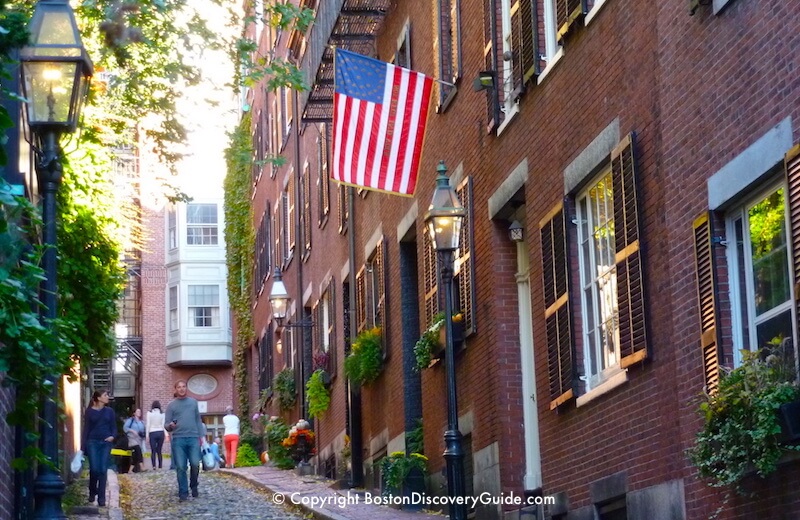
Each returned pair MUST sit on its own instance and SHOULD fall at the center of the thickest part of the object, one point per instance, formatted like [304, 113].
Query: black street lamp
[280, 301]
[444, 218]
[55, 77]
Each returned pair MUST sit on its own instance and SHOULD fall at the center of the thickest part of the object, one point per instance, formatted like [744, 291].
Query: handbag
[207, 457]
[77, 462]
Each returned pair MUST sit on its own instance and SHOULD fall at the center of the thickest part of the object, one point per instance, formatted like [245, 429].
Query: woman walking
[134, 429]
[231, 438]
[99, 427]
[155, 433]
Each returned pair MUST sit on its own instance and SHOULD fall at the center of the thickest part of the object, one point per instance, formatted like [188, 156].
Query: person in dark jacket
[99, 427]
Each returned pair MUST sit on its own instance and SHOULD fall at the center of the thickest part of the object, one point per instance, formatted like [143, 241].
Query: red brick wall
[6, 455]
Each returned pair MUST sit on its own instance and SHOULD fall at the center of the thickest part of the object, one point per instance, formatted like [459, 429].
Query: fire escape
[124, 366]
[347, 24]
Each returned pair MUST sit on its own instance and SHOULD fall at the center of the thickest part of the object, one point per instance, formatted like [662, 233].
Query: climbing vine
[240, 244]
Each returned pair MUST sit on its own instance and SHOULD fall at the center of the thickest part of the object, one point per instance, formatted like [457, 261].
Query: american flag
[379, 115]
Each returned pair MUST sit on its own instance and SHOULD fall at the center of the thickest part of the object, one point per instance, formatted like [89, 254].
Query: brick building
[622, 137]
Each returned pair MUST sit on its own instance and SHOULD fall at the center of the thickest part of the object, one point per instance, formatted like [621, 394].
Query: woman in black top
[99, 427]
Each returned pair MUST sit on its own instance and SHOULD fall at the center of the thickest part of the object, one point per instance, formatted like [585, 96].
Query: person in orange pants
[231, 437]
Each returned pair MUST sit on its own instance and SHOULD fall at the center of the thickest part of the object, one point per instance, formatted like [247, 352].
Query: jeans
[156, 444]
[186, 449]
[99, 454]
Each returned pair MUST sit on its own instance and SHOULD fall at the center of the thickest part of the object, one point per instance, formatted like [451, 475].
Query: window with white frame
[598, 275]
[201, 225]
[759, 269]
[508, 49]
[172, 228]
[203, 305]
[173, 308]
[551, 45]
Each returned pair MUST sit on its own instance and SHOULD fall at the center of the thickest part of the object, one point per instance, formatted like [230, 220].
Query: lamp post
[55, 77]
[279, 300]
[444, 218]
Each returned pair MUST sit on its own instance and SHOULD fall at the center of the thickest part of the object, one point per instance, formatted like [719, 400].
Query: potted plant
[319, 397]
[300, 442]
[321, 362]
[741, 422]
[284, 387]
[364, 363]
[429, 348]
[403, 473]
[275, 431]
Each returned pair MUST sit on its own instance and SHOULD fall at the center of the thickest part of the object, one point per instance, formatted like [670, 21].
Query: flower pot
[458, 340]
[413, 483]
[326, 379]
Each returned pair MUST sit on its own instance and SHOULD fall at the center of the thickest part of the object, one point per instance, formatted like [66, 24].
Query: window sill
[595, 9]
[550, 65]
[509, 117]
[603, 388]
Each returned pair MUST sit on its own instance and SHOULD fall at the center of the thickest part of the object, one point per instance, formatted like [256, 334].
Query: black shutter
[707, 301]
[555, 281]
[630, 283]
[792, 164]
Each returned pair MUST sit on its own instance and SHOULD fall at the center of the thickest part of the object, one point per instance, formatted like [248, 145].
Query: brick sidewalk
[287, 483]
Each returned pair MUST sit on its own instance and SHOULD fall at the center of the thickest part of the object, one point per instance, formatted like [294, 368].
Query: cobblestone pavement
[153, 495]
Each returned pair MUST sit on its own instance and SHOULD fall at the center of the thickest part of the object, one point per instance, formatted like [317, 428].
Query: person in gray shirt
[186, 429]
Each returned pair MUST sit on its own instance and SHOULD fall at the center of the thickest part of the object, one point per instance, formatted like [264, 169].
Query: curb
[112, 486]
[318, 514]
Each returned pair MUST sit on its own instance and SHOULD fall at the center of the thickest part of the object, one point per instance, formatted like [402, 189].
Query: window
[612, 337]
[449, 49]
[173, 308]
[598, 274]
[402, 57]
[172, 228]
[344, 210]
[323, 180]
[263, 254]
[758, 263]
[204, 305]
[201, 224]
[615, 510]
[265, 361]
[305, 213]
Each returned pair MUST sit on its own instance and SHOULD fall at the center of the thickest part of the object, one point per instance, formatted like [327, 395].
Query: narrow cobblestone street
[153, 495]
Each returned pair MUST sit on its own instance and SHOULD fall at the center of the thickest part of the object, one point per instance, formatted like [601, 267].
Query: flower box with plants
[364, 363]
[742, 431]
[321, 361]
[429, 348]
[285, 388]
[405, 474]
[300, 441]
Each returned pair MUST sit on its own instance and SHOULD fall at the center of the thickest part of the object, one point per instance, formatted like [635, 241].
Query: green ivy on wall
[240, 244]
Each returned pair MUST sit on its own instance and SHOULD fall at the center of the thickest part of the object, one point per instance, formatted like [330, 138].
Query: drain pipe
[354, 394]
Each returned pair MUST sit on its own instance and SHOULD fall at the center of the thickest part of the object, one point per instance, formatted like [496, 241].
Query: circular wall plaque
[201, 384]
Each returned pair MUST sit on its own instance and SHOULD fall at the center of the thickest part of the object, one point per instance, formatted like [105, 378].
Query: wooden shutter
[567, 11]
[792, 163]
[291, 215]
[523, 38]
[555, 281]
[430, 279]
[707, 300]
[465, 263]
[630, 282]
[331, 332]
[361, 300]
[306, 209]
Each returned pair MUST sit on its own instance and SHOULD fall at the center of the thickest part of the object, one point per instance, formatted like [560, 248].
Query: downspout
[305, 343]
[356, 441]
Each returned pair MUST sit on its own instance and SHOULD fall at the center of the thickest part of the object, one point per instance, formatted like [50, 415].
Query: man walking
[184, 424]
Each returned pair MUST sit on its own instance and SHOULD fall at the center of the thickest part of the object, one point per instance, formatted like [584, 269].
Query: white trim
[593, 12]
[509, 116]
[603, 388]
[551, 63]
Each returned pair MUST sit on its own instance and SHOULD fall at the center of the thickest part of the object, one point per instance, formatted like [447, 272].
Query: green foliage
[247, 457]
[255, 441]
[278, 72]
[741, 422]
[319, 397]
[239, 244]
[90, 275]
[427, 342]
[395, 468]
[284, 387]
[415, 440]
[279, 455]
[364, 363]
